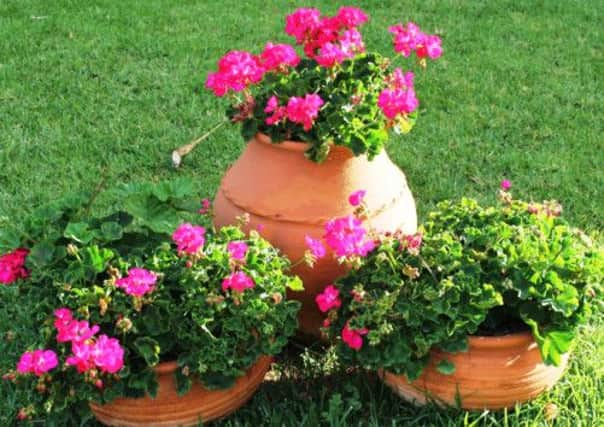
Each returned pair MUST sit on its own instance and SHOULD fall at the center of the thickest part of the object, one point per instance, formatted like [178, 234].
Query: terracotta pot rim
[298, 146]
[502, 341]
[167, 367]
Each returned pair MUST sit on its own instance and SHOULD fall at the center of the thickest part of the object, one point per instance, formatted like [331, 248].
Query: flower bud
[124, 324]
[72, 249]
[103, 305]
[10, 336]
[277, 297]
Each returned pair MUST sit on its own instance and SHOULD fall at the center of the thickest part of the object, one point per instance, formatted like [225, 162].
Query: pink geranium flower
[328, 299]
[351, 43]
[304, 110]
[346, 237]
[506, 184]
[12, 266]
[302, 23]
[413, 243]
[278, 112]
[277, 57]
[81, 356]
[236, 71]
[75, 330]
[37, 362]
[107, 354]
[329, 55]
[238, 282]
[356, 198]
[400, 80]
[189, 238]
[393, 102]
[353, 337]
[315, 246]
[206, 205]
[350, 17]
[138, 282]
[237, 250]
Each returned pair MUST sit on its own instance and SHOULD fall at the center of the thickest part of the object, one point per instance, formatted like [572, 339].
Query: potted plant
[146, 327]
[480, 309]
[317, 128]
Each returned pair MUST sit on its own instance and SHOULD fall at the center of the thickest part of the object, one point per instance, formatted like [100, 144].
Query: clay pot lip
[300, 146]
[164, 368]
[516, 339]
[286, 145]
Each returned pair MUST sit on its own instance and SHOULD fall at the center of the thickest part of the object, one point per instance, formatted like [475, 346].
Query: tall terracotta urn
[288, 197]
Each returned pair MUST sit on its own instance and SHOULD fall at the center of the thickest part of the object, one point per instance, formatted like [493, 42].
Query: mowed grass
[109, 88]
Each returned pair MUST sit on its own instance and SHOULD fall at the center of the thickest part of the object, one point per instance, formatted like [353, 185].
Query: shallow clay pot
[495, 373]
[169, 409]
[289, 197]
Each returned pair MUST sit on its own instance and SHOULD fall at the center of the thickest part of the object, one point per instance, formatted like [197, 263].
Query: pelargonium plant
[339, 94]
[471, 270]
[113, 296]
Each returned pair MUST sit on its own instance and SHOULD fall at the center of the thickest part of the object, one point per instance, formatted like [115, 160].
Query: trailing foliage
[480, 271]
[152, 302]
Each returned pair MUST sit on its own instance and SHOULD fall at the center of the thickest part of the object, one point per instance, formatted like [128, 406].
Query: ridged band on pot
[169, 409]
[290, 197]
[495, 373]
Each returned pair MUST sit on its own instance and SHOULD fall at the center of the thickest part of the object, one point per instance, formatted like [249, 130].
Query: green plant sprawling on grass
[478, 271]
[83, 265]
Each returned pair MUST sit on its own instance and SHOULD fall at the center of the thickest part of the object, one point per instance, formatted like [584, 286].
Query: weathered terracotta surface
[290, 196]
[495, 373]
[169, 409]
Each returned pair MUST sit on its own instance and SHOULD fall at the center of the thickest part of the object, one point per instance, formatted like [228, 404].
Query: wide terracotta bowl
[169, 409]
[288, 197]
[495, 373]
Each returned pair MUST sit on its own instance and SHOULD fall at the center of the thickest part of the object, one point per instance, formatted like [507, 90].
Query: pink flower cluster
[88, 351]
[410, 38]
[206, 207]
[353, 337]
[330, 39]
[189, 238]
[238, 282]
[345, 236]
[399, 97]
[412, 243]
[12, 266]
[37, 362]
[237, 70]
[138, 282]
[277, 57]
[301, 110]
[237, 250]
[328, 299]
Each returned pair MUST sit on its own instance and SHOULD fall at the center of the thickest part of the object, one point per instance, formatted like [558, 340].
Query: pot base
[168, 409]
[495, 373]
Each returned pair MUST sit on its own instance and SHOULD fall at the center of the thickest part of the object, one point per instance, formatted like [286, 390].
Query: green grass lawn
[111, 87]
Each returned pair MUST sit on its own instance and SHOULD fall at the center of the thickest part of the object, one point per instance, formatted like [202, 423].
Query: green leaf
[41, 254]
[183, 382]
[99, 257]
[445, 367]
[112, 231]
[295, 284]
[149, 349]
[79, 231]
